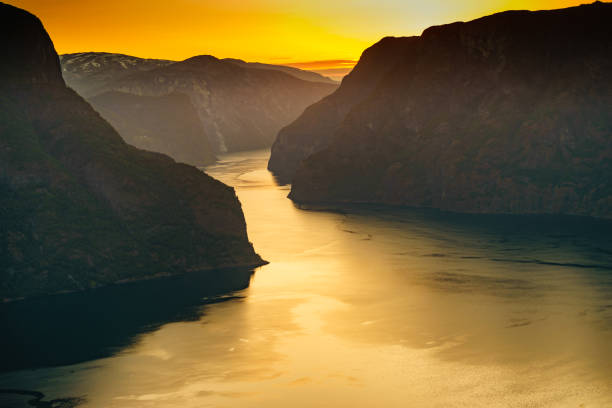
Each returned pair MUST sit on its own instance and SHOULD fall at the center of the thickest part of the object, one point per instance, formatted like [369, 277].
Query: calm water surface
[361, 308]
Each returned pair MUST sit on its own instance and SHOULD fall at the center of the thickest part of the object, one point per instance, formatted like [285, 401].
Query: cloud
[324, 64]
[335, 69]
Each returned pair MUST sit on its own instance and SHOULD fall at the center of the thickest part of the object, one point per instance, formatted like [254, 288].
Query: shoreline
[142, 279]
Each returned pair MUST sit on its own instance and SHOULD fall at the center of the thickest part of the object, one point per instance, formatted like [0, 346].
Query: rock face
[314, 129]
[240, 105]
[79, 207]
[168, 124]
[510, 113]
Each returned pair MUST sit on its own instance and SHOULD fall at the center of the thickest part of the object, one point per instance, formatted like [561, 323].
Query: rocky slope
[79, 207]
[510, 113]
[168, 124]
[240, 105]
[313, 130]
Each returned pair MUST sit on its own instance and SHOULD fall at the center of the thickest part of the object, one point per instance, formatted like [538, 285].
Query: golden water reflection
[377, 309]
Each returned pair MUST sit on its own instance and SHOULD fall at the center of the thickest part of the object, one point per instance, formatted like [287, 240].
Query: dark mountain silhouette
[314, 129]
[80, 208]
[510, 113]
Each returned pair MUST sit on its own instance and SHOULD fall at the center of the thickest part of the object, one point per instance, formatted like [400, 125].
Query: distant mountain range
[93, 73]
[510, 113]
[239, 105]
[79, 207]
[296, 72]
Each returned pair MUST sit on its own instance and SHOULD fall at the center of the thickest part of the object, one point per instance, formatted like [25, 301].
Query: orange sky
[273, 31]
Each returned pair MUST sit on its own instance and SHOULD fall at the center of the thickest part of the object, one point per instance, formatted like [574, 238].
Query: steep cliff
[79, 207]
[510, 113]
[166, 124]
[314, 129]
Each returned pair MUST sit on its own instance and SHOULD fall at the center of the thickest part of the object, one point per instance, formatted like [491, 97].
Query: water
[365, 307]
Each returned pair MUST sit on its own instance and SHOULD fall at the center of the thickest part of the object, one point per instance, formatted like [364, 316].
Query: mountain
[510, 113]
[92, 73]
[240, 105]
[80, 208]
[296, 72]
[240, 108]
[313, 130]
[168, 124]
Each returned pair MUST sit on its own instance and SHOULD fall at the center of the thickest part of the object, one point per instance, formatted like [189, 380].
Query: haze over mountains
[80, 208]
[239, 105]
[510, 113]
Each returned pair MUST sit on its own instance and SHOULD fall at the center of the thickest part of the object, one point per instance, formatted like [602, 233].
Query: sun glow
[272, 31]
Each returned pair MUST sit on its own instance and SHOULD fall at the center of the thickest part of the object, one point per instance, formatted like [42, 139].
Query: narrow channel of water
[366, 307]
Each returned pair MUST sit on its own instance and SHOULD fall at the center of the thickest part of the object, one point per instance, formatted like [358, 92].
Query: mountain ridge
[319, 121]
[240, 108]
[240, 105]
[509, 113]
[80, 208]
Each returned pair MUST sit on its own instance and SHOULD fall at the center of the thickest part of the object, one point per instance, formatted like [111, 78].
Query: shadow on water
[555, 240]
[24, 398]
[72, 328]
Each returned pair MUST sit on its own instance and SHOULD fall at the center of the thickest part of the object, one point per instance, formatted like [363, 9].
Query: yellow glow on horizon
[272, 31]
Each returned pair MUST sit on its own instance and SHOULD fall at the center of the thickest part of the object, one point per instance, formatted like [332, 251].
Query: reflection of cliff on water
[530, 239]
[76, 327]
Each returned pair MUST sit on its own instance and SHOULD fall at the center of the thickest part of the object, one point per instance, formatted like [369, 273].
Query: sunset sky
[294, 32]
